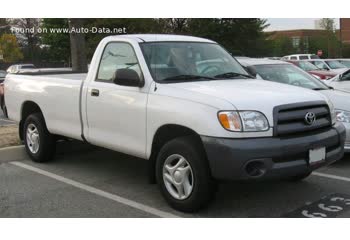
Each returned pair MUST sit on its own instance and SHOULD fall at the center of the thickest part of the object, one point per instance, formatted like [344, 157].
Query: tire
[299, 177]
[5, 111]
[40, 144]
[198, 187]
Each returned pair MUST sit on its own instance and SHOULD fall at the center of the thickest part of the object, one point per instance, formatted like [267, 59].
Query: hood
[340, 100]
[322, 72]
[251, 94]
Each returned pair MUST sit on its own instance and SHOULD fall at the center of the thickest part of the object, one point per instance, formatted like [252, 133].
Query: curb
[13, 153]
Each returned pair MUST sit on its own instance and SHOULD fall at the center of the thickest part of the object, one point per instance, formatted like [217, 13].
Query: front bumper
[280, 157]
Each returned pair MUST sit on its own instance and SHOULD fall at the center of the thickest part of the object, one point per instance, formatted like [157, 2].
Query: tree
[333, 44]
[173, 25]
[346, 50]
[240, 36]
[4, 26]
[282, 46]
[77, 46]
[9, 48]
[56, 43]
[327, 24]
[28, 35]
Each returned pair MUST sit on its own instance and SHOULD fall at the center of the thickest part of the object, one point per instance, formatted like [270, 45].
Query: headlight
[342, 116]
[246, 121]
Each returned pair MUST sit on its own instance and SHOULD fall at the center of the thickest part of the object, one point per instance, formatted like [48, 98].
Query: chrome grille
[290, 119]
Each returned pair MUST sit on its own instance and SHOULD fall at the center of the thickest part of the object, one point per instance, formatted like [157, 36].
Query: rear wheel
[183, 175]
[39, 143]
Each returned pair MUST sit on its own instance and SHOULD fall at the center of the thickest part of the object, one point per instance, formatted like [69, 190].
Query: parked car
[329, 65]
[345, 62]
[188, 107]
[18, 67]
[313, 70]
[286, 73]
[2, 98]
[300, 57]
[340, 82]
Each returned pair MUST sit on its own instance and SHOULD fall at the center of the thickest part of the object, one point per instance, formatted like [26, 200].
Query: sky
[293, 23]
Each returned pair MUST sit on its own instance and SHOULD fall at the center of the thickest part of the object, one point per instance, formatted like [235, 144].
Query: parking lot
[85, 181]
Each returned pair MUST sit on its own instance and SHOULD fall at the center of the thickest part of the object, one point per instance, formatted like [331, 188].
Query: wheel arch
[28, 108]
[163, 135]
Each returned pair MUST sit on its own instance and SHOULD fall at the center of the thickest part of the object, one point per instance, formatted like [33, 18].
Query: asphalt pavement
[85, 181]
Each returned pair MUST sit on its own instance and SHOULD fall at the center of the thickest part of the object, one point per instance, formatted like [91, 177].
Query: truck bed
[58, 93]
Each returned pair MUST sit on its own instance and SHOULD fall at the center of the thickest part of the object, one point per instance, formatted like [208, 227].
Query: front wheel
[39, 143]
[183, 175]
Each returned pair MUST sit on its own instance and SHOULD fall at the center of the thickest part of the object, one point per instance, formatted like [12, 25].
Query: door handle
[95, 92]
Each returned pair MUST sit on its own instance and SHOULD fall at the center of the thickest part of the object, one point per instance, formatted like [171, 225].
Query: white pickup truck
[184, 104]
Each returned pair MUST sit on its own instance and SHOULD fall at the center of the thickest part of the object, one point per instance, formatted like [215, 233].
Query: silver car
[287, 73]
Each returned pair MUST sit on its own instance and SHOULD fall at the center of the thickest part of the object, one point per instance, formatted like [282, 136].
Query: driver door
[116, 114]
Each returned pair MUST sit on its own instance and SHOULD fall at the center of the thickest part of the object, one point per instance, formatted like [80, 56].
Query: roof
[303, 54]
[162, 38]
[327, 59]
[259, 61]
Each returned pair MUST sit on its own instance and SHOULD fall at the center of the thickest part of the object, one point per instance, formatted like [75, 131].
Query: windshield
[306, 66]
[321, 65]
[345, 63]
[289, 74]
[189, 61]
[335, 64]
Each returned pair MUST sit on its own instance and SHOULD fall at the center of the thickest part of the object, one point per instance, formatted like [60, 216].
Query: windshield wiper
[318, 89]
[233, 75]
[187, 77]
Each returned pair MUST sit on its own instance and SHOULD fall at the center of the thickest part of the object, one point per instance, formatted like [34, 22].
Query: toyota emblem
[310, 118]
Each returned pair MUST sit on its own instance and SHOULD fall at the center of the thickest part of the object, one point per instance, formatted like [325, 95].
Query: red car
[313, 70]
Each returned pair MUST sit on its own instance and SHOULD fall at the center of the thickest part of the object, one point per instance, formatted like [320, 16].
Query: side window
[116, 56]
[293, 58]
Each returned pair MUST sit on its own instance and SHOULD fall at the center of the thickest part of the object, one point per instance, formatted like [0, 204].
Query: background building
[333, 43]
[345, 30]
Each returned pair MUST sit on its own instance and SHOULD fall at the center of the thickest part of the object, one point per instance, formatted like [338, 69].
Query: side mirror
[251, 70]
[340, 77]
[128, 77]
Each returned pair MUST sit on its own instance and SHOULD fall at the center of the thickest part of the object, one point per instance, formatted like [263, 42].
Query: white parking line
[98, 192]
[331, 176]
